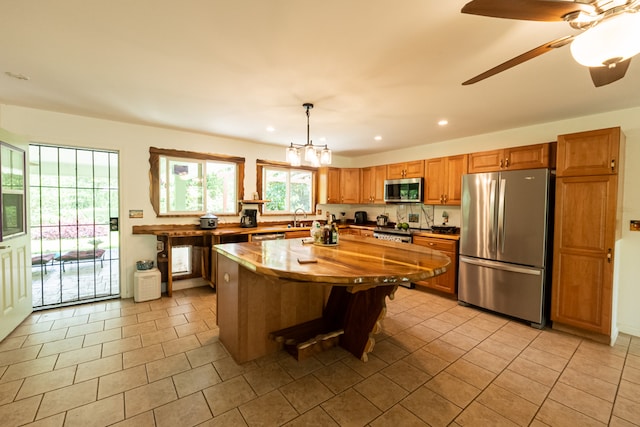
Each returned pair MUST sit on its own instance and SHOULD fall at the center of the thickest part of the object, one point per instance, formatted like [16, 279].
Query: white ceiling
[371, 67]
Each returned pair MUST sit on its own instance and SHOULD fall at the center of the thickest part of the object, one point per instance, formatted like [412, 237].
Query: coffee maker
[249, 218]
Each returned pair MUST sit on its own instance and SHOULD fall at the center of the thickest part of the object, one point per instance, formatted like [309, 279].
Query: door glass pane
[76, 256]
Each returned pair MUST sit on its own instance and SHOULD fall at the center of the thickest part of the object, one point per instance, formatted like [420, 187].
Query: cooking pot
[208, 221]
[381, 220]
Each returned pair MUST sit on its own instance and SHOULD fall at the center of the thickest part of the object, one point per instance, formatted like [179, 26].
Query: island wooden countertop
[355, 260]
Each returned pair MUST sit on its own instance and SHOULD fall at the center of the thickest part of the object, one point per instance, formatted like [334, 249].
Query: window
[286, 188]
[12, 191]
[185, 183]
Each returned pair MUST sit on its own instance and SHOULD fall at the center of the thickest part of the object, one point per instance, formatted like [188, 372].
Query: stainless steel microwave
[405, 190]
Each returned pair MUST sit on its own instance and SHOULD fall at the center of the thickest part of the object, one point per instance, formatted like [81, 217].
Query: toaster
[360, 217]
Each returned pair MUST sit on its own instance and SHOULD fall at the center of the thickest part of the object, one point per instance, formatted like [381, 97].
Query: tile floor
[159, 363]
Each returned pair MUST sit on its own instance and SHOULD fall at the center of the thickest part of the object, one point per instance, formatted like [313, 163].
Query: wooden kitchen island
[306, 297]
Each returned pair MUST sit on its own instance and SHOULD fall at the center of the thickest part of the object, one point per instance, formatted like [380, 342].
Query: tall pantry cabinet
[587, 215]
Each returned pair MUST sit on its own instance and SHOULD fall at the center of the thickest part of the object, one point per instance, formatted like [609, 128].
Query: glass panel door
[74, 198]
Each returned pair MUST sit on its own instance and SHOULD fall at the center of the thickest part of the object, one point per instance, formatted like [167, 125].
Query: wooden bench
[42, 259]
[78, 256]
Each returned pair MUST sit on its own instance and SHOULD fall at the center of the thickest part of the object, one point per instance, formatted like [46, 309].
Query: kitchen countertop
[194, 230]
[355, 260]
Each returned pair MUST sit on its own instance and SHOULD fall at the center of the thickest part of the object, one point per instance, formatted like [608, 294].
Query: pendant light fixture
[312, 154]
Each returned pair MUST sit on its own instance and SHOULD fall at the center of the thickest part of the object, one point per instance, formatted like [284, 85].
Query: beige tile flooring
[159, 363]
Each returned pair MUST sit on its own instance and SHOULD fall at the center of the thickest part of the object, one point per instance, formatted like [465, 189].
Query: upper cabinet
[339, 185]
[329, 185]
[589, 153]
[526, 157]
[350, 185]
[372, 185]
[414, 169]
[444, 180]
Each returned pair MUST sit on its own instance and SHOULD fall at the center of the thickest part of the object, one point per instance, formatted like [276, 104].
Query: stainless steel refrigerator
[505, 242]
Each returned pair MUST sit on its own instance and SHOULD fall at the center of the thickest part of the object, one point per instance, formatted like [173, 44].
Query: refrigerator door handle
[492, 217]
[501, 215]
[500, 266]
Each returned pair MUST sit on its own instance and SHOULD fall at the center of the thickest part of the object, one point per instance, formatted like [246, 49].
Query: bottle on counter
[326, 234]
[334, 234]
[316, 232]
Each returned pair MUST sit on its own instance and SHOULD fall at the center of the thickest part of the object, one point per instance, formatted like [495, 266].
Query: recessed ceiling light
[270, 129]
[18, 76]
[443, 122]
[377, 138]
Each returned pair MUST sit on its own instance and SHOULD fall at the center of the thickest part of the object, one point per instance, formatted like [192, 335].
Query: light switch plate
[634, 225]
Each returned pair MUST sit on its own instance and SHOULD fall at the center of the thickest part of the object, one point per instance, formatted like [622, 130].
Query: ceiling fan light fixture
[611, 41]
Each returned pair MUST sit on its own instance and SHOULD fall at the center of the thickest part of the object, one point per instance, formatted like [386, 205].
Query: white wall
[133, 142]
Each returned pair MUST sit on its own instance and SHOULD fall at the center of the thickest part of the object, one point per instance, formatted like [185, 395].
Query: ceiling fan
[609, 37]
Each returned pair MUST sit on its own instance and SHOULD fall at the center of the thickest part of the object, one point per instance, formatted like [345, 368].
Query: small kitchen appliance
[208, 221]
[360, 217]
[249, 218]
[381, 220]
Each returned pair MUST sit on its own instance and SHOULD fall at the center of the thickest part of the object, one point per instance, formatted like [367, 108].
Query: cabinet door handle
[5, 247]
[501, 163]
[609, 256]
[506, 162]
[613, 165]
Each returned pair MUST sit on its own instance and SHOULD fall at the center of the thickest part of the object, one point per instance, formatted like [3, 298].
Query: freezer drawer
[509, 289]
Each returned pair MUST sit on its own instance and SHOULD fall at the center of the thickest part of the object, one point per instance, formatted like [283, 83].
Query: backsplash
[416, 214]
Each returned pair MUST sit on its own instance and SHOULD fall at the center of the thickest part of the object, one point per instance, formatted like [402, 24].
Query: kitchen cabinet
[413, 169]
[589, 153]
[349, 185]
[339, 185]
[329, 185]
[357, 231]
[586, 227]
[297, 234]
[514, 158]
[448, 281]
[372, 185]
[444, 180]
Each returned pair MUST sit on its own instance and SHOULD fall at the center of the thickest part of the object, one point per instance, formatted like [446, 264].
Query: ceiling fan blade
[604, 75]
[530, 10]
[521, 58]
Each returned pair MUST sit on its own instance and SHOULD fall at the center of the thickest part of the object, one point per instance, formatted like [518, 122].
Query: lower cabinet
[447, 282]
[297, 234]
[357, 231]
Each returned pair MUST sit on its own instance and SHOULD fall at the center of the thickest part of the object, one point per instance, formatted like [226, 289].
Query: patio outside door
[74, 225]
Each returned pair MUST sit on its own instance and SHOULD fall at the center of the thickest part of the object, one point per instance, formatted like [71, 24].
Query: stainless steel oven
[393, 234]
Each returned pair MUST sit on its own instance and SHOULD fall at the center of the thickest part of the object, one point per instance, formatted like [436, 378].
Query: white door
[15, 251]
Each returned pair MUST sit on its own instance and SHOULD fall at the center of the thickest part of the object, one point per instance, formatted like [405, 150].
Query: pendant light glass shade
[325, 156]
[611, 41]
[293, 155]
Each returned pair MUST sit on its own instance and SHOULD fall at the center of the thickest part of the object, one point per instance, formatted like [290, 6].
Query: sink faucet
[295, 216]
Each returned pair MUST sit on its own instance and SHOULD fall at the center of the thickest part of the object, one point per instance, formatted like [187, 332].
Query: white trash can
[146, 285]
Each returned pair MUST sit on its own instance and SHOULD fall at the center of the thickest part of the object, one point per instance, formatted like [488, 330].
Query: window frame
[261, 164]
[154, 176]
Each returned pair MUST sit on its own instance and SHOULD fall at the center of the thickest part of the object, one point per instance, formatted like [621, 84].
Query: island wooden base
[259, 314]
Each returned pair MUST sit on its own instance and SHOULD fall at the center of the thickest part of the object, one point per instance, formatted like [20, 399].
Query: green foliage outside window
[287, 189]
